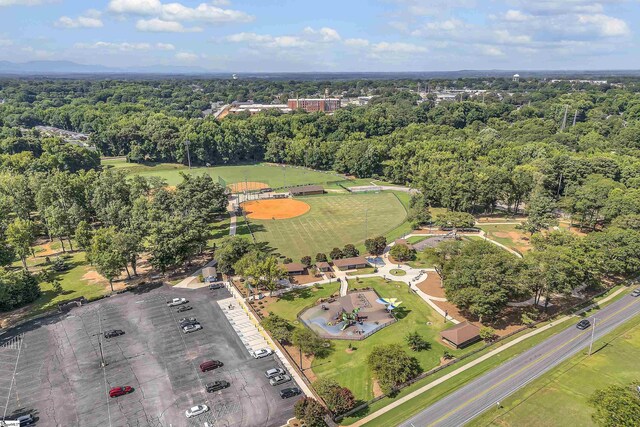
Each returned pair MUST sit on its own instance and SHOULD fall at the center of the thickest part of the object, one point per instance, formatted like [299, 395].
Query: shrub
[320, 257]
[59, 264]
[309, 410]
[306, 260]
[339, 399]
[416, 342]
[616, 406]
[392, 366]
[487, 334]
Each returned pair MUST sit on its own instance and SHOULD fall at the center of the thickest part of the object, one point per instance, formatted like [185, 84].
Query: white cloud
[125, 46]
[324, 34]
[606, 26]
[357, 42]
[492, 51]
[448, 25]
[505, 37]
[204, 12]
[136, 7]
[38, 53]
[516, 16]
[187, 56]
[267, 40]
[397, 47]
[156, 25]
[221, 2]
[80, 22]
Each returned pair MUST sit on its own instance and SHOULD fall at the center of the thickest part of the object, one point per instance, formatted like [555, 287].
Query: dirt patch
[93, 277]
[432, 285]
[377, 391]
[275, 208]
[521, 241]
[240, 187]
[307, 361]
[303, 279]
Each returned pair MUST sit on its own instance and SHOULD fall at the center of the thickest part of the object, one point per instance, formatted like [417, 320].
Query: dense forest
[548, 148]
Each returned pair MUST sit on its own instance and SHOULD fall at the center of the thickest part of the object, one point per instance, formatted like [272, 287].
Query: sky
[325, 35]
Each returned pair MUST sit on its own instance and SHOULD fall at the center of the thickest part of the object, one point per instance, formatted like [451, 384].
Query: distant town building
[251, 108]
[516, 77]
[312, 105]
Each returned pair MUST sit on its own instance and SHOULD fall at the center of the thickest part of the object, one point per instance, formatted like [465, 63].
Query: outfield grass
[333, 221]
[274, 176]
[559, 398]
[351, 370]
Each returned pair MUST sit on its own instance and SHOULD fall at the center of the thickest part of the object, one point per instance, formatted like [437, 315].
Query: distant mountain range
[62, 68]
[55, 68]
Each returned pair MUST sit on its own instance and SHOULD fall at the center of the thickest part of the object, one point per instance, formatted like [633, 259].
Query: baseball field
[332, 221]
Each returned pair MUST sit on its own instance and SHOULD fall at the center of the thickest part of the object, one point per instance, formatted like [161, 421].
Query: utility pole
[593, 332]
[187, 143]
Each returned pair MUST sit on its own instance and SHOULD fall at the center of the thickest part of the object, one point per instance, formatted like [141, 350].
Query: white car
[280, 379]
[176, 301]
[260, 353]
[196, 410]
[274, 372]
[191, 328]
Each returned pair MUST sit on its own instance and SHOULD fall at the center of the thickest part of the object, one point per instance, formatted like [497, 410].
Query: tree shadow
[401, 312]
[144, 288]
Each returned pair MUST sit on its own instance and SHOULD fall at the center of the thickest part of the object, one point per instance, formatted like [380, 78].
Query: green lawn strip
[333, 221]
[350, 368]
[219, 229]
[559, 398]
[274, 176]
[413, 406]
[361, 271]
[416, 239]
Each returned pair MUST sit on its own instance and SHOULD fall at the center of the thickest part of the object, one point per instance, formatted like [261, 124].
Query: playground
[275, 208]
[351, 317]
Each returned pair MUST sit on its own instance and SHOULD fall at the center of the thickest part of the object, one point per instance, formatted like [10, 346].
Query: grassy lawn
[361, 271]
[292, 303]
[351, 370]
[508, 235]
[73, 284]
[219, 229]
[397, 272]
[424, 259]
[559, 398]
[274, 176]
[333, 221]
[416, 239]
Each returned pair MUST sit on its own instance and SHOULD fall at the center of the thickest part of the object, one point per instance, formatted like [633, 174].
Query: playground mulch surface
[432, 285]
[239, 187]
[275, 208]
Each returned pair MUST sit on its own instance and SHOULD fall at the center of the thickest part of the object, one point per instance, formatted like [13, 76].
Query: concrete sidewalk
[478, 361]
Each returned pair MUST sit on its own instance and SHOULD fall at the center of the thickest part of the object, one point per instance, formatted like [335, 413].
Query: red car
[120, 391]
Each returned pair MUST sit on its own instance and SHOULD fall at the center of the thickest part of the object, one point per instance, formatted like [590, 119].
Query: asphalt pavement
[486, 391]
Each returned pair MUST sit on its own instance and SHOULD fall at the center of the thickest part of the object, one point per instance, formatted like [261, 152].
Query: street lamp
[593, 332]
[187, 143]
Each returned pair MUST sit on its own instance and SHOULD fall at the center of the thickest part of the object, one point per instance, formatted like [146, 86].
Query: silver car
[176, 301]
[191, 328]
[280, 379]
[274, 372]
[196, 410]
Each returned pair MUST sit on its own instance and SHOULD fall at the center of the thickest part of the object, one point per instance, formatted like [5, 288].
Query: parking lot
[60, 377]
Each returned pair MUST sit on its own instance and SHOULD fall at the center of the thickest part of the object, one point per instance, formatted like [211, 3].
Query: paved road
[471, 400]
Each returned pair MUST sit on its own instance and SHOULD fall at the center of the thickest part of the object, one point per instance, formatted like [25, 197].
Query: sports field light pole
[366, 211]
[593, 332]
[187, 143]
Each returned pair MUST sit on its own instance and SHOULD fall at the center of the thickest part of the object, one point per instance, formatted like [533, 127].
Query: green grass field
[292, 303]
[274, 176]
[333, 221]
[559, 398]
